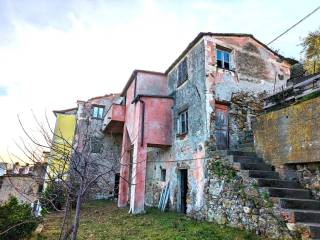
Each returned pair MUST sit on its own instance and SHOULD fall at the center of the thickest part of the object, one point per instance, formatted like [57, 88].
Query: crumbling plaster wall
[254, 70]
[253, 67]
[23, 187]
[207, 84]
[187, 151]
[110, 145]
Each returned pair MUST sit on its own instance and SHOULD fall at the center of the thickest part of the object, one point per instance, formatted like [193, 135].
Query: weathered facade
[189, 117]
[25, 183]
[290, 135]
[104, 149]
[148, 123]
[189, 132]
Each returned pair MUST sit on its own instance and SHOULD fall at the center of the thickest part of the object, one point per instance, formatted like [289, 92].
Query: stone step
[247, 159]
[255, 166]
[277, 183]
[290, 193]
[314, 229]
[247, 147]
[306, 216]
[247, 144]
[263, 174]
[301, 204]
[241, 153]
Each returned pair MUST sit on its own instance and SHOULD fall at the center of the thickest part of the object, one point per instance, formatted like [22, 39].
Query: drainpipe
[142, 124]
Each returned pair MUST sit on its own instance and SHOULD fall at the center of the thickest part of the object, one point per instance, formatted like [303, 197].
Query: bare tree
[73, 167]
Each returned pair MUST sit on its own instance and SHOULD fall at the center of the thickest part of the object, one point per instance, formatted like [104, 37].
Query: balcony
[114, 119]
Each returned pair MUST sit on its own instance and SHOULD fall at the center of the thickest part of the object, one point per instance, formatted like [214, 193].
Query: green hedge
[18, 217]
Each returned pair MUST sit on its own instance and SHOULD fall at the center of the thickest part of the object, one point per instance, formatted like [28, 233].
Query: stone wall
[289, 139]
[309, 176]
[290, 135]
[233, 199]
[23, 187]
[188, 150]
[104, 150]
[253, 71]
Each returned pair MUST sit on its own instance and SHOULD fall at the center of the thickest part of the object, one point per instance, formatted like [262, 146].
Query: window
[223, 59]
[183, 122]
[163, 175]
[97, 112]
[96, 145]
[182, 72]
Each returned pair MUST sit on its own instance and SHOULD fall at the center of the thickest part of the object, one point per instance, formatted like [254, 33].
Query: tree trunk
[76, 219]
[63, 224]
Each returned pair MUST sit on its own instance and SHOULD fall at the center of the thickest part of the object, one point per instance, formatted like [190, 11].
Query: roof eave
[202, 34]
[133, 76]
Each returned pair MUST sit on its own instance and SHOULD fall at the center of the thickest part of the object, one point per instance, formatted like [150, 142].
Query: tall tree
[311, 50]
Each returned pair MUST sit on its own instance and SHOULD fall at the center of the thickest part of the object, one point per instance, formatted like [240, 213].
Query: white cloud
[91, 47]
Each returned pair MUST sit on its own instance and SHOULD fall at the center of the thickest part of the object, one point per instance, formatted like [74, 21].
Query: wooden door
[221, 126]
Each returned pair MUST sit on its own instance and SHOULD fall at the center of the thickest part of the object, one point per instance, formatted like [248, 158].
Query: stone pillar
[124, 170]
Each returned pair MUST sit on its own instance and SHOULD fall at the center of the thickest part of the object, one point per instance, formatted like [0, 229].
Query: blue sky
[53, 53]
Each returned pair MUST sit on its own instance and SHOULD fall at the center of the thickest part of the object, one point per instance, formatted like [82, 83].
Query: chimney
[16, 168]
[26, 169]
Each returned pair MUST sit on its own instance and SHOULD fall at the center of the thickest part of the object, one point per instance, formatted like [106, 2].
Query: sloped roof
[211, 34]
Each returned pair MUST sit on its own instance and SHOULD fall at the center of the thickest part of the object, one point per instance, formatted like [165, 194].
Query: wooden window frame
[182, 72]
[98, 115]
[180, 130]
[223, 50]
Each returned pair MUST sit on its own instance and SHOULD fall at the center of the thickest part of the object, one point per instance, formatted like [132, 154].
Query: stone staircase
[297, 203]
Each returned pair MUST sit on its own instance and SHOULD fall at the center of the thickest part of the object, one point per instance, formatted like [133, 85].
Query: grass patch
[103, 220]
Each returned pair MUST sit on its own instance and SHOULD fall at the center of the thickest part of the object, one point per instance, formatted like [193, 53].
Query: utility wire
[294, 25]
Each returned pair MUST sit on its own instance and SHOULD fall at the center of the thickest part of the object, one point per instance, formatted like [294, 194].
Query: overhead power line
[294, 25]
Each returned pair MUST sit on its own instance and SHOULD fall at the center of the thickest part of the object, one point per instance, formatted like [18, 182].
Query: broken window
[97, 112]
[163, 175]
[96, 145]
[183, 122]
[182, 72]
[223, 58]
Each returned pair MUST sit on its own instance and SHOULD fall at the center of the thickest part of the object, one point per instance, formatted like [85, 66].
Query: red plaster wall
[158, 121]
[151, 84]
[118, 112]
[158, 116]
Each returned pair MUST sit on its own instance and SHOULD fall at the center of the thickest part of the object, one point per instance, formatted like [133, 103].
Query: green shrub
[13, 213]
[53, 197]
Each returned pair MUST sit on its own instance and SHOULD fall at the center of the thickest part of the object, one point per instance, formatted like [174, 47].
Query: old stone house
[82, 126]
[191, 133]
[173, 120]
